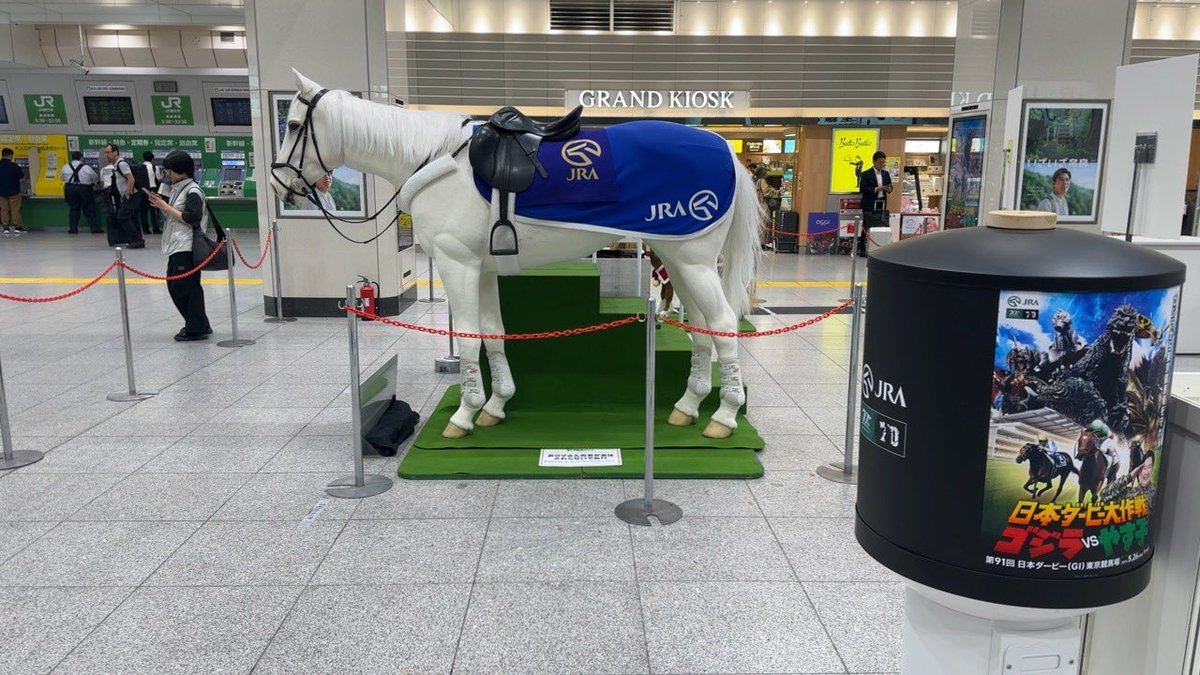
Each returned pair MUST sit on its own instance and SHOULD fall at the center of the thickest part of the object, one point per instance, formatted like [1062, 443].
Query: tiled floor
[190, 532]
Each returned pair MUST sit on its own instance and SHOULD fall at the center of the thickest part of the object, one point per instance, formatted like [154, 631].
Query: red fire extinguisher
[368, 292]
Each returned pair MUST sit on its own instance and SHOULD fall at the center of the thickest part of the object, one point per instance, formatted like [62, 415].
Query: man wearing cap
[1104, 440]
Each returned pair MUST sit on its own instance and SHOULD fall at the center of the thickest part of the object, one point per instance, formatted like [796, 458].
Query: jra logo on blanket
[702, 206]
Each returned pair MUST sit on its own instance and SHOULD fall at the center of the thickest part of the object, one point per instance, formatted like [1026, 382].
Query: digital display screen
[230, 173]
[3, 111]
[789, 145]
[231, 112]
[772, 145]
[108, 110]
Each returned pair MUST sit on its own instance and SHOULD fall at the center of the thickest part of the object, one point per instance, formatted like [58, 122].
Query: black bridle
[307, 131]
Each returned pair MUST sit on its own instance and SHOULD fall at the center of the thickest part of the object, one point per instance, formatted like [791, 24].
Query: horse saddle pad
[1060, 460]
[638, 178]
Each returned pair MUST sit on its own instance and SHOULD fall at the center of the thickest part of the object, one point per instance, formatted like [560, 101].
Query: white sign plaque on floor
[580, 457]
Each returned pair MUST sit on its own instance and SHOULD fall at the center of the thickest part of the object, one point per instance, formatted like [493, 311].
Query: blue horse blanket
[638, 178]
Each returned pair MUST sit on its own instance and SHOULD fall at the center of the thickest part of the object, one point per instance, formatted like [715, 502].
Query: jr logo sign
[171, 103]
[45, 109]
[175, 110]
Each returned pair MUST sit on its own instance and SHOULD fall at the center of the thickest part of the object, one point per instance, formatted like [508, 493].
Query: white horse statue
[452, 220]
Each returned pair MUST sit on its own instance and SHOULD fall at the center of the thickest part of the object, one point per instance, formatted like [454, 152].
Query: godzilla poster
[1080, 384]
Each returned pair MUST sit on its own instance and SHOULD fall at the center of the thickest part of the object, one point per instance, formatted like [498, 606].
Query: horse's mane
[411, 137]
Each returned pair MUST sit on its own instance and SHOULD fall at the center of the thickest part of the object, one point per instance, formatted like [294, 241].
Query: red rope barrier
[485, 336]
[805, 234]
[753, 334]
[183, 275]
[64, 296]
[261, 260]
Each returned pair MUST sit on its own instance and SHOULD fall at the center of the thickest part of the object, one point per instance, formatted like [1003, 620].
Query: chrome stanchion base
[446, 364]
[279, 319]
[126, 397]
[20, 458]
[634, 512]
[431, 300]
[836, 472]
[347, 489]
[235, 343]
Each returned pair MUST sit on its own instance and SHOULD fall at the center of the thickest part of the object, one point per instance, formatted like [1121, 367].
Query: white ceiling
[132, 12]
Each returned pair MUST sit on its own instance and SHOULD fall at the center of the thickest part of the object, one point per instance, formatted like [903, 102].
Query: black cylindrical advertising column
[1015, 381]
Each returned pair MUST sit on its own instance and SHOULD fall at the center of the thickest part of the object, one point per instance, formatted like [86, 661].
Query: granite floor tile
[89, 455]
[184, 630]
[412, 629]
[216, 455]
[235, 421]
[248, 554]
[163, 496]
[558, 498]
[404, 551]
[43, 625]
[709, 549]
[16, 535]
[556, 549]
[802, 494]
[824, 549]
[431, 499]
[33, 496]
[320, 454]
[701, 497]
[750, 627]
[95, 554]
[797, 453]
[290, 395]
[866, 621]
[582, 627]
[782, 421]
[292, 497]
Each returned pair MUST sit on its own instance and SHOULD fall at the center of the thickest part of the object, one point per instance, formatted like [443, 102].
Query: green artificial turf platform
[585, 391]
[512, 449]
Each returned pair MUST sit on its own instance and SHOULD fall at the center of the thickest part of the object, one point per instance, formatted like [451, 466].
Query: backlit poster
[1062, 151]
[964, 175]
[852, 150]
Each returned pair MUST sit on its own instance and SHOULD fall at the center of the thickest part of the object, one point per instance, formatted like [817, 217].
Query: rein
[307, 130]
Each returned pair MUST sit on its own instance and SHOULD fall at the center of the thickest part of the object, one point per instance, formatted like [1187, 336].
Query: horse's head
[1085, 445]
[309, 146]
[1025, 451]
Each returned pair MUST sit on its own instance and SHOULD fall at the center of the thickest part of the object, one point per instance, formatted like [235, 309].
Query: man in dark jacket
[10, 193]
[874, 186]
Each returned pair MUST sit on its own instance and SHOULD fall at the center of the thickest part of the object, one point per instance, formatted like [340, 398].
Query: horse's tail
[741, 250]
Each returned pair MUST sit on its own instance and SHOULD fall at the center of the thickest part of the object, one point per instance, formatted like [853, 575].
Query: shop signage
[863, 121]
[852, 150]
[172, 110]
[654, 99]
[45, 109]
[754, 146]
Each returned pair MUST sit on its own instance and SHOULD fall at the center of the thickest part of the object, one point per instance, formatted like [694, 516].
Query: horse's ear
[305, 85]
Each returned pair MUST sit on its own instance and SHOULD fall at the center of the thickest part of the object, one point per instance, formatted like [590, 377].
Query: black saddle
[504, 154]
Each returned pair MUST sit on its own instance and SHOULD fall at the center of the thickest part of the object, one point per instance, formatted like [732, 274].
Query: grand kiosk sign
[654, 99]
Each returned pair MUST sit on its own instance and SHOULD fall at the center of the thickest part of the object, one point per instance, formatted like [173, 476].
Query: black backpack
[141, 177]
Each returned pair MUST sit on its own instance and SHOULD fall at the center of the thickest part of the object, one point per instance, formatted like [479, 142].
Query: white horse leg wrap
[503, 386]
[699, 382]
[733, 395]
[472, 396]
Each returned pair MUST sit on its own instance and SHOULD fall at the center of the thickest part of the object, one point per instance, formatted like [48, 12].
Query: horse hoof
[717, 430]
[454, 431]
[680, 419]
[487, 419]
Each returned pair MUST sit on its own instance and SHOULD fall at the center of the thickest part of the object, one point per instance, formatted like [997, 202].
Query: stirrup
[506, 230]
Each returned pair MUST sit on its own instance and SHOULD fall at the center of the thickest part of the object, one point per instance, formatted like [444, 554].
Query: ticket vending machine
[233, 178]
[26, 184]
[206, 182]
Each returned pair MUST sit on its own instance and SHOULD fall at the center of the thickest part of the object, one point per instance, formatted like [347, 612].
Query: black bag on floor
[396, 424]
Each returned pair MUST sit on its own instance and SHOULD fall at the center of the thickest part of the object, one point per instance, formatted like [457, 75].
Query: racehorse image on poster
[1079, 394]
[495, 197]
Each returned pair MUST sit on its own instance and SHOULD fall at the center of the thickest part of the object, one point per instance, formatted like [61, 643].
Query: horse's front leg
[1031, 490]
[704, 285]
[699, 382]
[460, 271]
[492, 322]
[1062, 480]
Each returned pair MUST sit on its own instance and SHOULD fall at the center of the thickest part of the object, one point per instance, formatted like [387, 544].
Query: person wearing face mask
[183, 213]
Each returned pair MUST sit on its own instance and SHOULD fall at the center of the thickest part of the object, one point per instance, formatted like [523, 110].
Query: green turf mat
[522, 463]
[511, 450]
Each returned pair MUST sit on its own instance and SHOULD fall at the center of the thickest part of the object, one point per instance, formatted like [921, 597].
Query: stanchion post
[132, 394]
[431, 298]
[847, 470]
[359, 485]
[639, 511]
[276, 277]
[449, 363]
[235, 341]
[12, 459]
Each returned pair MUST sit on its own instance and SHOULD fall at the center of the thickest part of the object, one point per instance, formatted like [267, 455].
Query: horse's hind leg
[699, 382]
[461, 280]
[1062, 480]
[492, 323]
[704, 285]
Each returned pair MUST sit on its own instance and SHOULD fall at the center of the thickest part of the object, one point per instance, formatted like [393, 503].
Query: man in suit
[874, 186]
